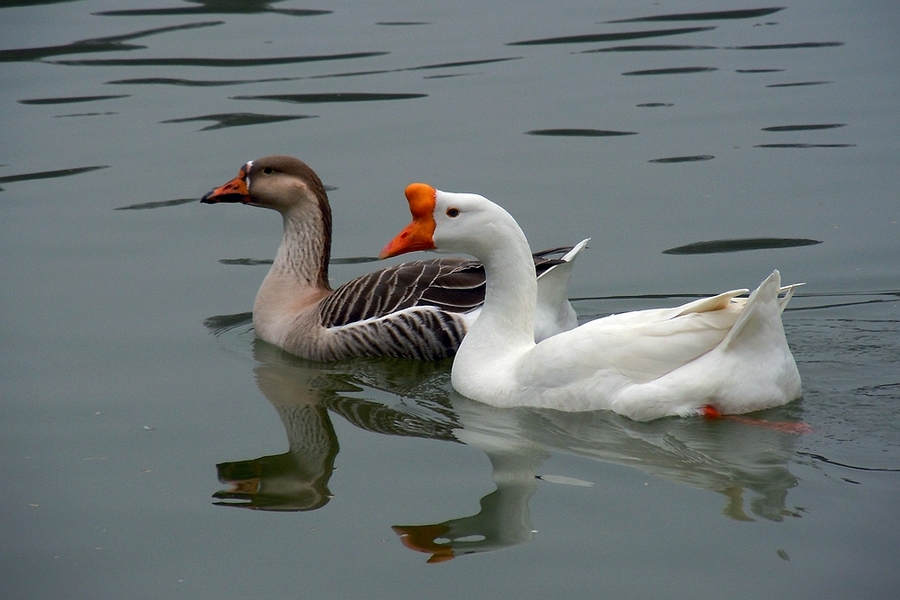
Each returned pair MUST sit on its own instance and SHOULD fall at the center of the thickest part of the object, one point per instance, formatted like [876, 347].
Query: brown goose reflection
[295, 480]
[745, 460]
[303, 393]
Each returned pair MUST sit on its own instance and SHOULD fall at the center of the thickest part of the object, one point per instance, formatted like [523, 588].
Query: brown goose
[418, 310]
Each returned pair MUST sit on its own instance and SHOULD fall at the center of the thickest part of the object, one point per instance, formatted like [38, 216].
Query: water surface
[152, 448]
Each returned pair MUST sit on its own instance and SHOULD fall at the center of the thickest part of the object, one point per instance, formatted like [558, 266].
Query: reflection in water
[740, 245]
[303, 393]
[732, 457]
[295, 480]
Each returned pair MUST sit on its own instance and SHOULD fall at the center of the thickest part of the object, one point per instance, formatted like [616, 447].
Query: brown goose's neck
[305, 249]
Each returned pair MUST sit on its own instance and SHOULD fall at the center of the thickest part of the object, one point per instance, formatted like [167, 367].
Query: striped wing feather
[454, 285]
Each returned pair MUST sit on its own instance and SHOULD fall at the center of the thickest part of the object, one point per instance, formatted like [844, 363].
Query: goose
[715, 356]
[418, 310]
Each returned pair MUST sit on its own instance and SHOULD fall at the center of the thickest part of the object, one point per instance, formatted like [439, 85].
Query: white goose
[719, 355]
[415, 310]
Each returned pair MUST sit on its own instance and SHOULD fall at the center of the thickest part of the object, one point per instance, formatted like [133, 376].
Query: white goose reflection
[745, 460]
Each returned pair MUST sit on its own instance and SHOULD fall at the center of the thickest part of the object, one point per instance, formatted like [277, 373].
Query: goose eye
[267, 170]
[452, 212]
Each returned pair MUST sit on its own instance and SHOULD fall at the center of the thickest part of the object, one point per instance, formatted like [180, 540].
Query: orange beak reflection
[418, 235]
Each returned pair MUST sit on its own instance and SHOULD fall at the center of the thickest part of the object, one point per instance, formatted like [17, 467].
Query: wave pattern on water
[804, 145]
[579, 132]
[224, 120]
[72, 99]
[609, 37]
[798, 84]
[793, 46]
[650, 48]
[780, 128]
[157, 204]
[217, 7]
[705, 16]
[673, 71]
[682, 159]
[213, 62]
[740, 245]
[113, 43]
[333, 97]
[50, 174]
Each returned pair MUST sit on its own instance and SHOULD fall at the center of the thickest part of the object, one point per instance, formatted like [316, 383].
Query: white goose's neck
[298, 276]
[505, 328]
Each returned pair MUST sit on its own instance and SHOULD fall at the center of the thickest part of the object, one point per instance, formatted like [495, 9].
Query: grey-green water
[141, 421]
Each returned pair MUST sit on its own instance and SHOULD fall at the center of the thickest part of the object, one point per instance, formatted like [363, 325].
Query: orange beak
[418, 235]
[233, 191]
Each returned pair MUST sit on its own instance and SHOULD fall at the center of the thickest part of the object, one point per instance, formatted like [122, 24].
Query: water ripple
[333, 97]
[114, 43]
[650, 48]
[216, 7]
[681, 159]
[705, 16]
[788, 46]
[224, 120]
[673, 71]
[579, 132]
[740, 245]
[71, 99]
[609, 37]
[798, 84]
[804, 127]
[157, 204]
[49, 174]
[805, 146]
[196, 82]
[213, 62]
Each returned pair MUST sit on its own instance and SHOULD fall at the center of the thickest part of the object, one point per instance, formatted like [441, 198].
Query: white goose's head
[281, 183]
[449, 222]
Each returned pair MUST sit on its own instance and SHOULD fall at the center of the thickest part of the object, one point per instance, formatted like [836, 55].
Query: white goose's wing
[641, 345]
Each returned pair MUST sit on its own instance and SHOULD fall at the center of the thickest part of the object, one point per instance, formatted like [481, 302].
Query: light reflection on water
[771, 145]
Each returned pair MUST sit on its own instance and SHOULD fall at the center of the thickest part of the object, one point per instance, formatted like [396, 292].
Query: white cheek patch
[247, 168]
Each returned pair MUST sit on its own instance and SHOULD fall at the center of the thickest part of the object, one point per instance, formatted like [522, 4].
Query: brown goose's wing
[454, 285]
